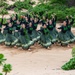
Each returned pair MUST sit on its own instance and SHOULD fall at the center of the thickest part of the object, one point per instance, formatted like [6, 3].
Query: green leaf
[1, 56]
[2, 59]
[7, 68]
[1, 74]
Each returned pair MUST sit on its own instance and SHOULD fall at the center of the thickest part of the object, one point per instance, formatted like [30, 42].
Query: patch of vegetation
[47, 9]
[58, 1]
[10, 7]
[19, 5]
[4, 20]
[3, 6]
[2, 3]
[6, 67]
[3, 11]
[73, 52]
[70, 65]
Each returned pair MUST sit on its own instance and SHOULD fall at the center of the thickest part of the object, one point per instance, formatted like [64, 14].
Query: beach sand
[39, 61]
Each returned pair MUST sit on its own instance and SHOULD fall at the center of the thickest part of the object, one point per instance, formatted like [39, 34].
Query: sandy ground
[39, 61]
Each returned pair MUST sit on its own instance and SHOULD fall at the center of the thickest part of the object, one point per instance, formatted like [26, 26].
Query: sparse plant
[6, 67]
[73, 52]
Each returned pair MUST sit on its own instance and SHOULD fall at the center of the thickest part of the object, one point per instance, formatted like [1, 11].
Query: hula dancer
[54, 19]
[51, 27]
[6, 25]
[69, 25]
[24, 38]
[26, 23]
[14, 20]
[36, 33]
[28, 16]
[31, 33]
[42, 21]
[10, 39]
[17, 27]
[67, 20]
[23, 19]
[63, 37]
[31, 20]
[45, 37]
[2, 39]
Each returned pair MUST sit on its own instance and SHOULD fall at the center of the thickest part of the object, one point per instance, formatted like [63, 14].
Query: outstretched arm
[16, 17]
[54, 18]
[71, 23]
[60, 27]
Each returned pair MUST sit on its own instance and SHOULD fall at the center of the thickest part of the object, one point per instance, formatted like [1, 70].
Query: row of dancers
[23, 31]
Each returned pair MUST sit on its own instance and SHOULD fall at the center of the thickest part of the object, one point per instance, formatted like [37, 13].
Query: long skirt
[32, 38]
[53, 36]
[5, 32]
[16, 34]
[25, 42]
[45, 40]
[64, 38]
[72, 37]
[36, 35]
[2, 38]
[10, 40]
[55, 32]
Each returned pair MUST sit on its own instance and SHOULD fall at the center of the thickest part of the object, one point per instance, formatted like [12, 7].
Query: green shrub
[26, 4]
[6, 67]
[61, 15]
[3, 11]
[39, 9]
[10, 7]
[70, 65]
[58, 1]
[74, 25]
[3, 4]
[73, 52]
[16, 10]
[70, 11]
[46, 9]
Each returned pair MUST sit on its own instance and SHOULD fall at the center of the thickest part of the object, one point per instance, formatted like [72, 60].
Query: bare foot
[29, 49]
[47, 47]
[69, 46]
